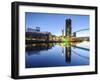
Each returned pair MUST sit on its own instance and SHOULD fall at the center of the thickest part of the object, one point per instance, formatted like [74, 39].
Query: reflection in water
[49, 55]
[37, 47]
[80, 55]
[68, 54]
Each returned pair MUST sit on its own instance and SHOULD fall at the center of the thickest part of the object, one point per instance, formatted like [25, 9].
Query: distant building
[33, 30]
[68, 28]
[62, 32]
[38, 29]
[74, 34]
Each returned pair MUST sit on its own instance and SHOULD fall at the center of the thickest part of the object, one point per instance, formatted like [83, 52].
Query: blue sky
[55, 22]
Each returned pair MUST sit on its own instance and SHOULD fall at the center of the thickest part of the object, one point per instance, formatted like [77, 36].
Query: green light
[66, 41]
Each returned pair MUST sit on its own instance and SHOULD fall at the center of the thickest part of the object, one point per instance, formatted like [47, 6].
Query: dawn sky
[55, 22]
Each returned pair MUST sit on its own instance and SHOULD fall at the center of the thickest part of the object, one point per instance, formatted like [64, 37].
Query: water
[56, 54]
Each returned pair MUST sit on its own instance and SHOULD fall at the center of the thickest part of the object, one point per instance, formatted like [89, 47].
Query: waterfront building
[68, 28]
[37, 35]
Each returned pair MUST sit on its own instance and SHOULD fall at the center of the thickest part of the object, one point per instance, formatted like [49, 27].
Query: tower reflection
[68, 53]
[38, 47]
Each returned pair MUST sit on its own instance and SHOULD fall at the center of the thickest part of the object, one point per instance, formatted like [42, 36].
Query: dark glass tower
[68, 28]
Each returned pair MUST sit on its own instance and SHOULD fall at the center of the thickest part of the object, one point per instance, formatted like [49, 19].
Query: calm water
[56, 54]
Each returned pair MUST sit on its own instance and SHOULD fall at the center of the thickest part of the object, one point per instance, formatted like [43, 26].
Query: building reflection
[68, 54]
[67, 51]
[36, 48]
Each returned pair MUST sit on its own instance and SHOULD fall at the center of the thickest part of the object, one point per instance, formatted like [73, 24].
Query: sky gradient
[55, 22]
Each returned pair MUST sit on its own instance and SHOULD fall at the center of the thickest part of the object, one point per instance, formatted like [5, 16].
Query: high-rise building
[68, 28]
[62, 32]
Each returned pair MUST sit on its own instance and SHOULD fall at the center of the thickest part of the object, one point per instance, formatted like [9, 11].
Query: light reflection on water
[56, 54]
